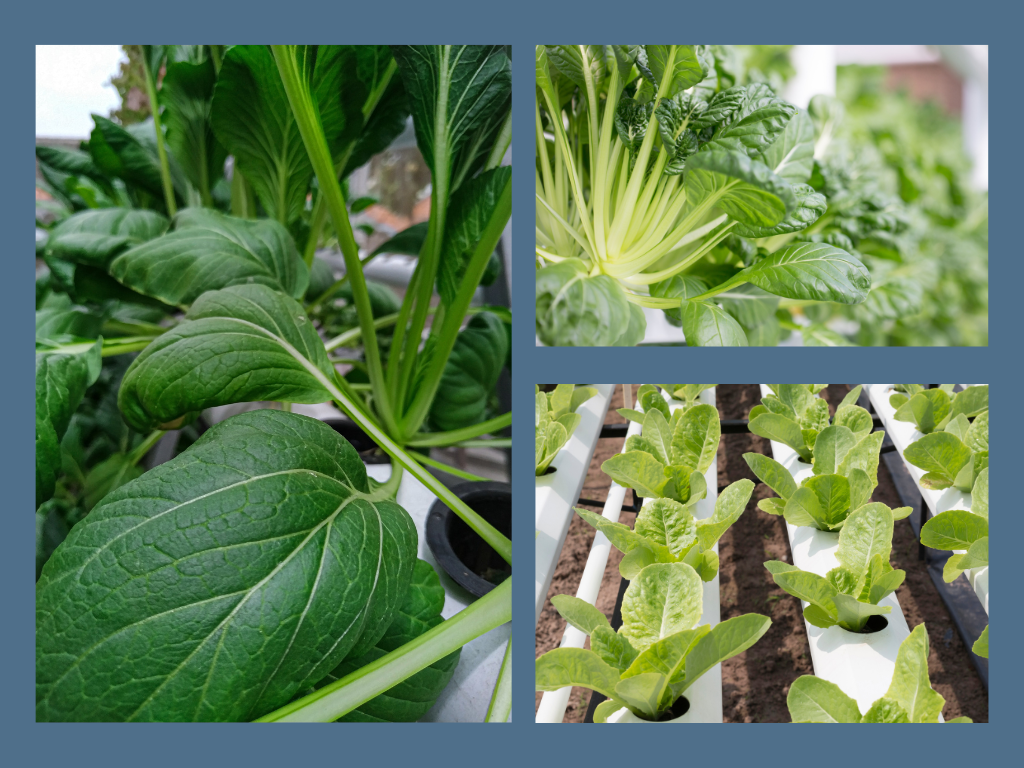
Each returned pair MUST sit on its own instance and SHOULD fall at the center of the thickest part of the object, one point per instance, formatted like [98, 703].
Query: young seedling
[910, 698]
[657, 654]
[556, 420]
[848, 595]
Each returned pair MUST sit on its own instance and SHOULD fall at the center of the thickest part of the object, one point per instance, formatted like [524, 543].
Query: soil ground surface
[755, 683]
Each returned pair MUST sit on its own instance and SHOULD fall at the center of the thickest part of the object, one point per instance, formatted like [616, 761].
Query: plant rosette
[860, 664]
[907, 437]
[558, 490]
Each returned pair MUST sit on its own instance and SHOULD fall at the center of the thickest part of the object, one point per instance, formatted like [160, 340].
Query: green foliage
[910, 698]
[556, 419]
[659, 651]
[954, 449]
[695, 178]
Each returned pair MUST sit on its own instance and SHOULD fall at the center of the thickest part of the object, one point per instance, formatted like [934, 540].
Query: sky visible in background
[72, 83]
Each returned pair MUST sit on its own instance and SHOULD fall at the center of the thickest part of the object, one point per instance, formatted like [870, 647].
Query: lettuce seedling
[848, 595]
[667, 532]
[910, 698]
[657, 653]
[556, 420]
[648, 396]
[932, 410]
[673, 447]
[958, 529]
[954, 457]
[844, 457]
[681, 164]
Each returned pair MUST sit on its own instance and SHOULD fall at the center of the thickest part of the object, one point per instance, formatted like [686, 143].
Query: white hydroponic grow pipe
[706, 694]
[557, 491]
[903, 434]
[861, 664]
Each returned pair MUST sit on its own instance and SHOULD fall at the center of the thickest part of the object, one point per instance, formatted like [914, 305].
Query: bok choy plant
[662, 184]
[260, 574]
[848, 595]
[657, 653]
[556, 420]
[910, 698]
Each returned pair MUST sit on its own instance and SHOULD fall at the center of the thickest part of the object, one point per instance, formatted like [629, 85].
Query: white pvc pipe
[903, 434]
[558, 491]
[862, 665]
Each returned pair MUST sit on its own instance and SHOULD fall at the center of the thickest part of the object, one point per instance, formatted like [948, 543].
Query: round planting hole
[472, 563]
[548, 471]
[678, 709]
[367, 449]
[874, 624]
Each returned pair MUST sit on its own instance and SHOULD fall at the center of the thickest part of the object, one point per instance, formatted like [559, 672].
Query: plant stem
[443, 439]
[342, 696]
[423, 458]
[389, 488]
[308, 120]
[145, 446]
[165, 169]
[501, 700]
[494, 442]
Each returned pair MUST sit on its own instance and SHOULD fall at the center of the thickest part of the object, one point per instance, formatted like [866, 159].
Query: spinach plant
[662, 183]
[932, 410]
[848, 595]
[657, 653]
[958, 529]
[268, 508]
[556, 420]
[910, 698]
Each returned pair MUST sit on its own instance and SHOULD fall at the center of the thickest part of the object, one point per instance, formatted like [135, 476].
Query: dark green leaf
[408, 242]
[470, 374]
[745, 189]
[811, 271]
[221, 583]
[707, 325]
[94, 237]
[187, 96]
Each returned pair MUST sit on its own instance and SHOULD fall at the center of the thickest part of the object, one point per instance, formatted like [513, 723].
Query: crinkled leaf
[663, 599]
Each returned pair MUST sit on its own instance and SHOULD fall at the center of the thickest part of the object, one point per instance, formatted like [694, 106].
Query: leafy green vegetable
[954, 457]
[848, 595]
[657, 654]
[412, 698]
[556, 420]
[467, 385]
[266, 509]
[684, 162]
[932, 410]
[910, 698]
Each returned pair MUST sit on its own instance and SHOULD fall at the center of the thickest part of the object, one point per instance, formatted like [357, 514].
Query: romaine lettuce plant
[931, 410]
[687, 199]
[954, 457]
[844, 456]
[848, 595]
[657, 654]
[910, 698]
[649, 397]
[556, 420]
[155, 607]
[958, 529]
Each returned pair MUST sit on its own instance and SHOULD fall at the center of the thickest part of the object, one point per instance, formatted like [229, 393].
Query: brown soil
[746, 587]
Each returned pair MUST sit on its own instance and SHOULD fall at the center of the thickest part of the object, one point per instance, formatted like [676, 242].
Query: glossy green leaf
[613, 648]
[811, 271]
[855, 418]
[643, 693]
[976, 556]
[574, 666]
[575, 310]
[791, 155]
[129, 154]
[771, 473]
[866, 533]
[803, 508]
[62, 376]
[239, 344]
[187, 96]
[681, 65]
[471, 373]
[469, 212]
[94, 237]
[639, 470]
[981, 644]
[695, 437]
[260, 526]
[977, 435]
[833, 493]
[707, 325]
[579, 613]
[728, 507]
[744, 189]
[809, 587]
[208, 250]
[972, 401]
[667, 656]
[830, 449]
[663, 599]
[413, 697]
[910, 685]
[781, 429]
[816, 700]
[939, 452]
[954, 529]
[725, 640]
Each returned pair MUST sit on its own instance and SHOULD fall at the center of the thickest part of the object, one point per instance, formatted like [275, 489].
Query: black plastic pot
[464, 556]
[368, 450]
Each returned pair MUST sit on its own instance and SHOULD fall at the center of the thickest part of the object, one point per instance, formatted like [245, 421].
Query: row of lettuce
[660, 651]
[709, 197]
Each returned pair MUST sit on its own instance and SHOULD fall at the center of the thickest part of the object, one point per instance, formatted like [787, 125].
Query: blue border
[522, 24]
